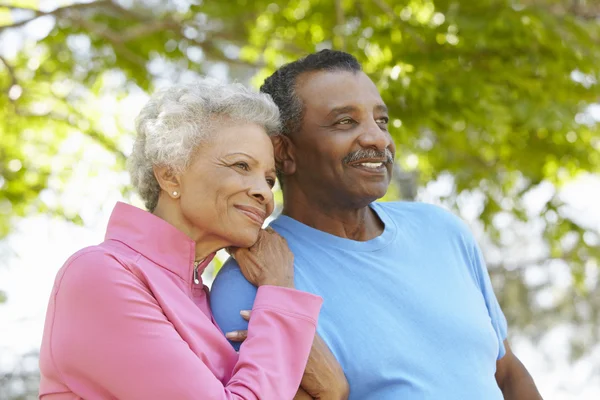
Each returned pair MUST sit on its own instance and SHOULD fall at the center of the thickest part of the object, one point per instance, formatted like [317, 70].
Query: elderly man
[409, 311]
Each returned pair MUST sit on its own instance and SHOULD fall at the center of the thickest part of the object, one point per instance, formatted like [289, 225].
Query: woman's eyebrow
[273, 170]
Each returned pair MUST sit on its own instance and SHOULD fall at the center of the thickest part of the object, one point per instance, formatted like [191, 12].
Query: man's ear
[284, 154]
[168, 180]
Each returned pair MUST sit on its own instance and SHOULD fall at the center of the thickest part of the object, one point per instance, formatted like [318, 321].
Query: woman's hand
[323, 378]
[268, 262]
[239, 336]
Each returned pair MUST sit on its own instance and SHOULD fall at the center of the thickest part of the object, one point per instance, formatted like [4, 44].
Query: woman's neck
[170, 211]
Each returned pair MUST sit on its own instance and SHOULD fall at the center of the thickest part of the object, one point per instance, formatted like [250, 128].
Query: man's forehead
[328, 90]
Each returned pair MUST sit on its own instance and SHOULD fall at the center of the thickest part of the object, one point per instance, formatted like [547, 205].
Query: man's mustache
[365, 154]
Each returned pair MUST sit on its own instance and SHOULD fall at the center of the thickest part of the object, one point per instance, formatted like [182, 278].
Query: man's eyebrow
[347, 109]
[341, 110]
[381, 108]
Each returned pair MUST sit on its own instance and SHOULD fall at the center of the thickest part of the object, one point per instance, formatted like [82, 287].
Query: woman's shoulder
[92, 266]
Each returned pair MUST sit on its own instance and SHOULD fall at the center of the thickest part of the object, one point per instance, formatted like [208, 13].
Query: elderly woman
[130, 319]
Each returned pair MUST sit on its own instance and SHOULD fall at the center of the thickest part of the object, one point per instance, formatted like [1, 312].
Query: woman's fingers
[231, 251]
[246, 314]
[240, 336]
[237, 336]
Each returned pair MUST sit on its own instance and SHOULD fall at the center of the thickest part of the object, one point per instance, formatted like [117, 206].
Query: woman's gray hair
[177, 120]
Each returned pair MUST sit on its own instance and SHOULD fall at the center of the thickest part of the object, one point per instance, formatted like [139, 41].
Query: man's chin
[370, 193]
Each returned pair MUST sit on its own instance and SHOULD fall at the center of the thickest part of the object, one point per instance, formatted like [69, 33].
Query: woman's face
[226, 192]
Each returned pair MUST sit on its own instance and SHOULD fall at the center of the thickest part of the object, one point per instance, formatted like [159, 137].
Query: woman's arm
[107, 328]
[323, 377]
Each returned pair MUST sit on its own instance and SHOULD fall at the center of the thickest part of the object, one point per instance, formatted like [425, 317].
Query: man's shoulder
[231, 272]
[426, 213]
[417, 209]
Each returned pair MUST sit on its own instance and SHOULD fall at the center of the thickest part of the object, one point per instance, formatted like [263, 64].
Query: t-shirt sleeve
[230, 293]
[485, 285]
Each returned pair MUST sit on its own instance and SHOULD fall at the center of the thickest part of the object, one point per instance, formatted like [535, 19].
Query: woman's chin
[245, 241]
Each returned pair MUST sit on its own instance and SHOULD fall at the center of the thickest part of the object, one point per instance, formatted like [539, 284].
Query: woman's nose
[262, 192]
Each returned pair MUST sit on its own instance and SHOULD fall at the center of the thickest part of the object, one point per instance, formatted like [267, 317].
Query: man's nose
[374, 137]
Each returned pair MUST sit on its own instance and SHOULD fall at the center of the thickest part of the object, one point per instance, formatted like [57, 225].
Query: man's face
[343, 150]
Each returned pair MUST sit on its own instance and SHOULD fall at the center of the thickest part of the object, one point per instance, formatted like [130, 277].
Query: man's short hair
[282, 84]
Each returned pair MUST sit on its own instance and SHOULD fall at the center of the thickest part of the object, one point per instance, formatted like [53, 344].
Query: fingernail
[245, 313]
[231, 335]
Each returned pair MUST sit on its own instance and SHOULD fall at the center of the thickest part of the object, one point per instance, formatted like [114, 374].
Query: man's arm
[323, 377]
[302, 395]
[513, 378]
[231, 292]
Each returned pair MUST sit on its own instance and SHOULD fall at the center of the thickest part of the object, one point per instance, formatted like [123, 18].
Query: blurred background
[493, 105]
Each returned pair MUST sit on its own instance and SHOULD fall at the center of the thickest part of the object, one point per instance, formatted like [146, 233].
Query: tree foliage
[491, 95]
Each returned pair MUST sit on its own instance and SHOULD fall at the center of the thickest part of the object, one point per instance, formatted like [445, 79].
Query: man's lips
[255, 214]
[370, 164]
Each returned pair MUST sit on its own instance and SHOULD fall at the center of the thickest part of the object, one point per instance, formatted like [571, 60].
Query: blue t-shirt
[410, 314]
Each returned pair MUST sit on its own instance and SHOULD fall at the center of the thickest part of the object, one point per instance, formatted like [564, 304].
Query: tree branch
[385, 8]
[116, 40]
[93, 134]
[11, 72]
[147, 26]
[390, 12]
[340, 22]
[147, 29]
[577, 9]
[526, 263]
[56, 12]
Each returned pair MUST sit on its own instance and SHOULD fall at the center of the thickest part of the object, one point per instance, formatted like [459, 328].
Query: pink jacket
[126, 321]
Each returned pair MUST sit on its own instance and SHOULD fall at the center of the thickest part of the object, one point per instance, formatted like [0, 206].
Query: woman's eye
[242, 165]
[345, 121]
[271, 182]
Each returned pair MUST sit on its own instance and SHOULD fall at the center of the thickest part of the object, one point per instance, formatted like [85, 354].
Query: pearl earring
[175, 193]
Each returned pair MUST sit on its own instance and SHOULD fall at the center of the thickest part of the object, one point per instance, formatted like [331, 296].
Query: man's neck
[358, 223]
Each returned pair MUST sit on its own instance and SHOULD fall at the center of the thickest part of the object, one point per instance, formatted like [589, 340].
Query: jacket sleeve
[107, 328]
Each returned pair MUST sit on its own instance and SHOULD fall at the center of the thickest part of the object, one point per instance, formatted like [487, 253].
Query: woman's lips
[257, 215]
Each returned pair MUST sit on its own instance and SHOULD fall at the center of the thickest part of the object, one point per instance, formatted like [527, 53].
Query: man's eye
[242, 165]
[383, 120]
[345, 121]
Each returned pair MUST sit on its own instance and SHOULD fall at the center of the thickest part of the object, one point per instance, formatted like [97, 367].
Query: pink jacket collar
[155, 239]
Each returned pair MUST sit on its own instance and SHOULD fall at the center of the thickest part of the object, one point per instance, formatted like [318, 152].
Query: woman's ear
[284, 154]
[168, 180]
